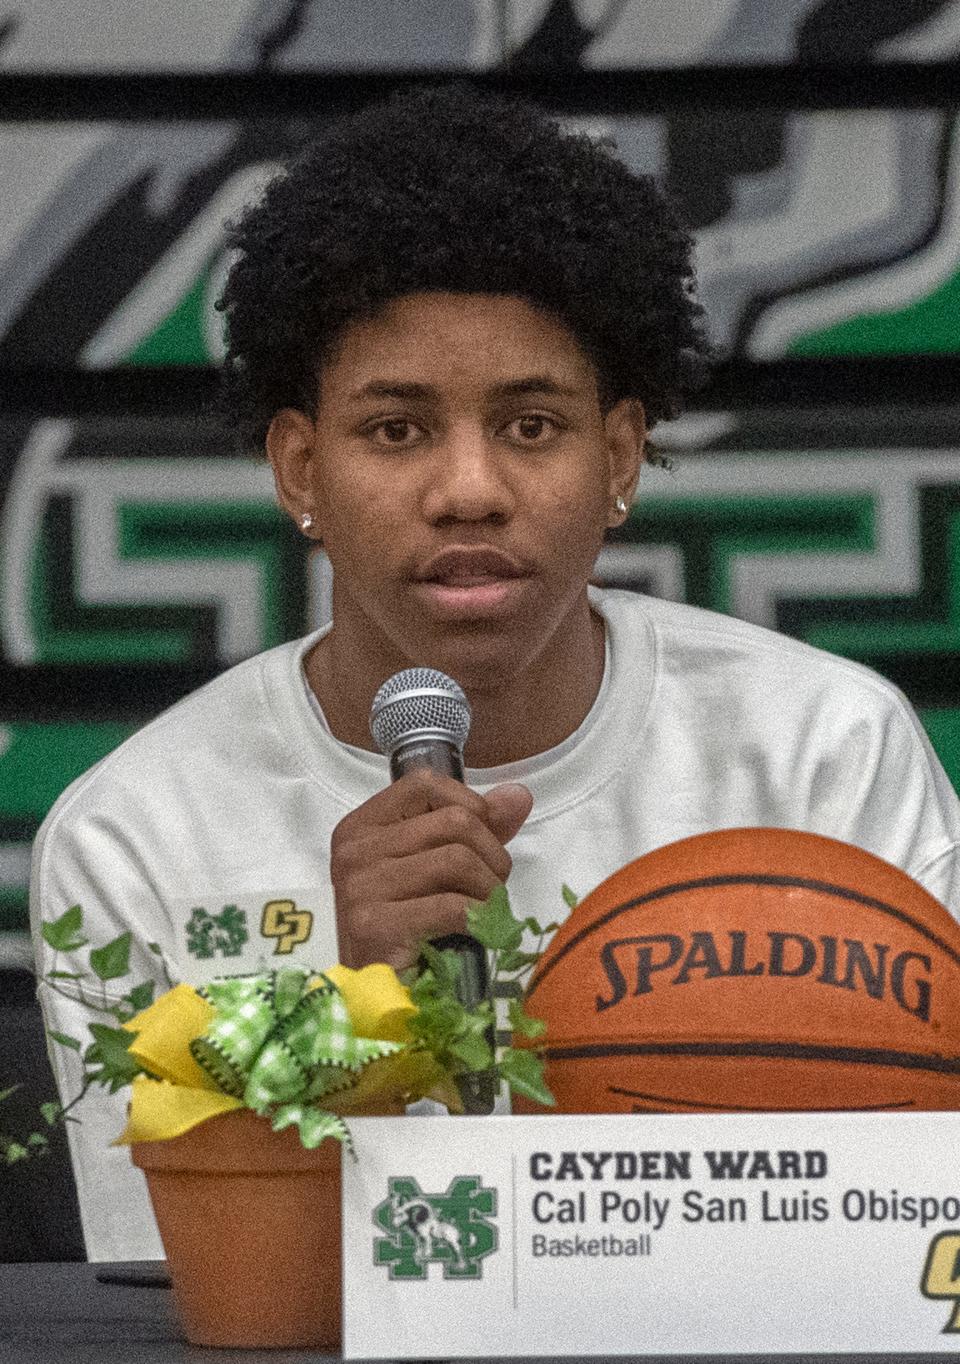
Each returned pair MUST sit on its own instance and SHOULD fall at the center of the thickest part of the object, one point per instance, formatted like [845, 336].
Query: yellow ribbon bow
[184, 1093]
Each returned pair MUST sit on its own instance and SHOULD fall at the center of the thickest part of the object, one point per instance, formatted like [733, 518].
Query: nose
[468, 479]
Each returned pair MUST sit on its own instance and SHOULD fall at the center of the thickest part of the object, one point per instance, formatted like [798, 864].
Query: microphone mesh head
[415, 701]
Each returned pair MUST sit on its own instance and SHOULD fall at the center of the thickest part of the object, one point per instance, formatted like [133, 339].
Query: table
[62, 1314]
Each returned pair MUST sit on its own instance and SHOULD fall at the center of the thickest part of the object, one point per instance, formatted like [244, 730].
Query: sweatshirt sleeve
[89, 862]
[894, 797]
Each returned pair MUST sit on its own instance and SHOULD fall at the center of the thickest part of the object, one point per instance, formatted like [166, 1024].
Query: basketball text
[637, 965]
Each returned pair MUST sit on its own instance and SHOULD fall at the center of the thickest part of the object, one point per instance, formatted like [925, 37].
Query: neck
[538, 709]
[533, 710]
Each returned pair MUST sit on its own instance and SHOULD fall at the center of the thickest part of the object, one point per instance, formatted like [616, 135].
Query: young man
[450, 327]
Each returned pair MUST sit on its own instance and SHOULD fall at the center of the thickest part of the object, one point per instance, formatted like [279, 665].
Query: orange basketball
[752, 970]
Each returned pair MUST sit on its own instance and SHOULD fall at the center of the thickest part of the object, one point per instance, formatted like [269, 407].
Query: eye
[533, 428]
[397, 432]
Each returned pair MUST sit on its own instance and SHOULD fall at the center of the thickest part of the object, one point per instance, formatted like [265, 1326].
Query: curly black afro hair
[447, 188]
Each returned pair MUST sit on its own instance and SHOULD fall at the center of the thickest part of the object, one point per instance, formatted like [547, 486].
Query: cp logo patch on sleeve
[289, 925]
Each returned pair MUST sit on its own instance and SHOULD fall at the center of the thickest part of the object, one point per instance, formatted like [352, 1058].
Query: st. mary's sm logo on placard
[941, 1274]
[452, 1229]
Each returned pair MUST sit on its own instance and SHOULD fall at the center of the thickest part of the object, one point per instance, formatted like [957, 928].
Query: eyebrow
[513, 388]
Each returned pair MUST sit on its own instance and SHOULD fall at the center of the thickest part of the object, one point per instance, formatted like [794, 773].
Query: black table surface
[65, 1314]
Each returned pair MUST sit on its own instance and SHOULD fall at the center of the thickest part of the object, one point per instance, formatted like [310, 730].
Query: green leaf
[5, 1093]
[64, 975]
[109, 1050]
[37, 1140]
[110, 1042]
[541, 930]
[473, 1052]
[437, 1022]
[141, 996]
[522, 1023]
[516, 961]
[493, 924]
[570, 898]
[15, 1151]
[113, 959]
[64, 934]
[64, 1040]
[523, 1072]
[51, 1113]
[445, 965]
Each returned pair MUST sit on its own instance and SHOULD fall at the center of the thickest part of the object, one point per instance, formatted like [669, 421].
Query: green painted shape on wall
[41, 760]
[710, 532]
[59, 643]
[943, 730]
[238, 530]
[38, 761]
[727, 549]
[181, 338]
[857, 640]
[14, 909]
[930, 326]
[241, 530]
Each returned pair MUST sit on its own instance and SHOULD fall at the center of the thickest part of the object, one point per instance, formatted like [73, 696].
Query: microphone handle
[426, 751]
[478, 1090]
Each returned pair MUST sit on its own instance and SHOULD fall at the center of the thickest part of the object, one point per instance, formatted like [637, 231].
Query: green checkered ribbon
[280, 1042]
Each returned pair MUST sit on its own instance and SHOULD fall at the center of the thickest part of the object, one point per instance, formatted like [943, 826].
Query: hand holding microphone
[420, 720]
[405, 863]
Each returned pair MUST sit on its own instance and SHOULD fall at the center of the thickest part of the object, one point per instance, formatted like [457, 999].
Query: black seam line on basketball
[754, 879]
[794, 1051]
[699, 1105]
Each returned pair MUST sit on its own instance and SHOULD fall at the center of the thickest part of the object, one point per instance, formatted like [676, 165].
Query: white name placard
[633, 1235]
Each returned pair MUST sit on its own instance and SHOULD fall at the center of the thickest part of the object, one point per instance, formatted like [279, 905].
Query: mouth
[467, 582]
[466, 566]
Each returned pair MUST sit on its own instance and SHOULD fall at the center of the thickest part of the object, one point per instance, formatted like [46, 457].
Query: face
[460, 473]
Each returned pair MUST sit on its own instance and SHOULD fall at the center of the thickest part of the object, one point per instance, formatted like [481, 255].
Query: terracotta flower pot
[250, 1222]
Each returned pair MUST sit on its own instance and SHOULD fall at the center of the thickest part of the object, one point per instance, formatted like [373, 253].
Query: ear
[290, 449]
[625, 428]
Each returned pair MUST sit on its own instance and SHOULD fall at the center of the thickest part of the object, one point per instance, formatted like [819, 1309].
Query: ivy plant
[464, 1040]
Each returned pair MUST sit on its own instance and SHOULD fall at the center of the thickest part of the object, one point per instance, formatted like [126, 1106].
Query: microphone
[419, 718]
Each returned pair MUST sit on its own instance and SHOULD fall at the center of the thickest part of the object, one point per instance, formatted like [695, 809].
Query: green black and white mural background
[140, 554]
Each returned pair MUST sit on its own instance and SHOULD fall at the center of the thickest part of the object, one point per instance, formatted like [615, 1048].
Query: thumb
[509, 806]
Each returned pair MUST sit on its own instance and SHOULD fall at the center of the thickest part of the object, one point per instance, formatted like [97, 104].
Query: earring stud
[619, 506]
[306, 521]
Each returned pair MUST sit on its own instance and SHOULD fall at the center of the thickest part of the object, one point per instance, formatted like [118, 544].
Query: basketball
[752, 970]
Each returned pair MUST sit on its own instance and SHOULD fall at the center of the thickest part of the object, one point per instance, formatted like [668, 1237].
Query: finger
[392, 933]
[450, 826]
[417, 793]
[435, 871]
[508, 806]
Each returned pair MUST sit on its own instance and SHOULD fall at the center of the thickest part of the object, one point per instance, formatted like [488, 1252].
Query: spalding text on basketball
[637, 965]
